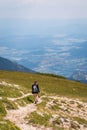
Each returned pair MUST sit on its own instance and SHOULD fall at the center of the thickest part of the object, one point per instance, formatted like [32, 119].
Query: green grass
[9, 104]
[24, 101]
[9, 91]
[2, 109]
[55, 107]
[48, 84]
[42, 105]
[80, 120]
[7, 125]
[37, 119]
[52, 75]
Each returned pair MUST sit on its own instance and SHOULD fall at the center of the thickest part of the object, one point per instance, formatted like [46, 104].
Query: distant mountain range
[6, 64]
[56, 53]
[79, 76]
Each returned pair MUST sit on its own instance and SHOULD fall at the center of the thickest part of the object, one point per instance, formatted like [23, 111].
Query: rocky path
[23, 96]
[17, 116]
[68, 108]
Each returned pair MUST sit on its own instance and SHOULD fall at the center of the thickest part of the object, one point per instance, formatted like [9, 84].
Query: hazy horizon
[32, 31]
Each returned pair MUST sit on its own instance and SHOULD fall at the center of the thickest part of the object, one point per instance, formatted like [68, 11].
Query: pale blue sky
[43, 9]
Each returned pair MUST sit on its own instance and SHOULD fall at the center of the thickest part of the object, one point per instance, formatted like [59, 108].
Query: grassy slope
[49, 85]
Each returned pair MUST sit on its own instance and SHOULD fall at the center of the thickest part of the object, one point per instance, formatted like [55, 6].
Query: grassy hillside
[49, 84]
[15, 84]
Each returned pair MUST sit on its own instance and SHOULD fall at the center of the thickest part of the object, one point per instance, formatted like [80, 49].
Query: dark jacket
[35, 88]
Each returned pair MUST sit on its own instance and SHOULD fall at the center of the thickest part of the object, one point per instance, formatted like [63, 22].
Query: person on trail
[35, 91]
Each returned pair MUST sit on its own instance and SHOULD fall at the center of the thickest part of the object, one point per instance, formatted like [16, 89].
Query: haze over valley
[45, 35]
[62, 53]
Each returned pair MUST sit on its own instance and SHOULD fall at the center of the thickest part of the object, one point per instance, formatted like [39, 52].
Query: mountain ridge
[80, 76]
[6, 64]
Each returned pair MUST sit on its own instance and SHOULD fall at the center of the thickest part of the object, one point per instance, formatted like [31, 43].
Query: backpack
[35, 89]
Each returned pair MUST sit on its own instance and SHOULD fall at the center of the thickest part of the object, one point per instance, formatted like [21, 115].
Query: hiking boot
[36, 102]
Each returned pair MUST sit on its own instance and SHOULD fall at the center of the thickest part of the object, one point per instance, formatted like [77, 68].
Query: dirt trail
[68, 108]
[17, 116]
[23, 96]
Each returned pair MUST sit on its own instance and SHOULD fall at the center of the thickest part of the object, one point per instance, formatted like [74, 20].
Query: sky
[43, 9]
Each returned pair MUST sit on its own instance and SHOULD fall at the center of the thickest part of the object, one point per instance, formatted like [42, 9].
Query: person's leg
[38, 95]
[35, 98]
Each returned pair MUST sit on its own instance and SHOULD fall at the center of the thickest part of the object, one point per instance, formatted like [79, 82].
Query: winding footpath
[17, 116]
[68, 108]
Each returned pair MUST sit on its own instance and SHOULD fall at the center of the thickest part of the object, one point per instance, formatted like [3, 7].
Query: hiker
[35, 91]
